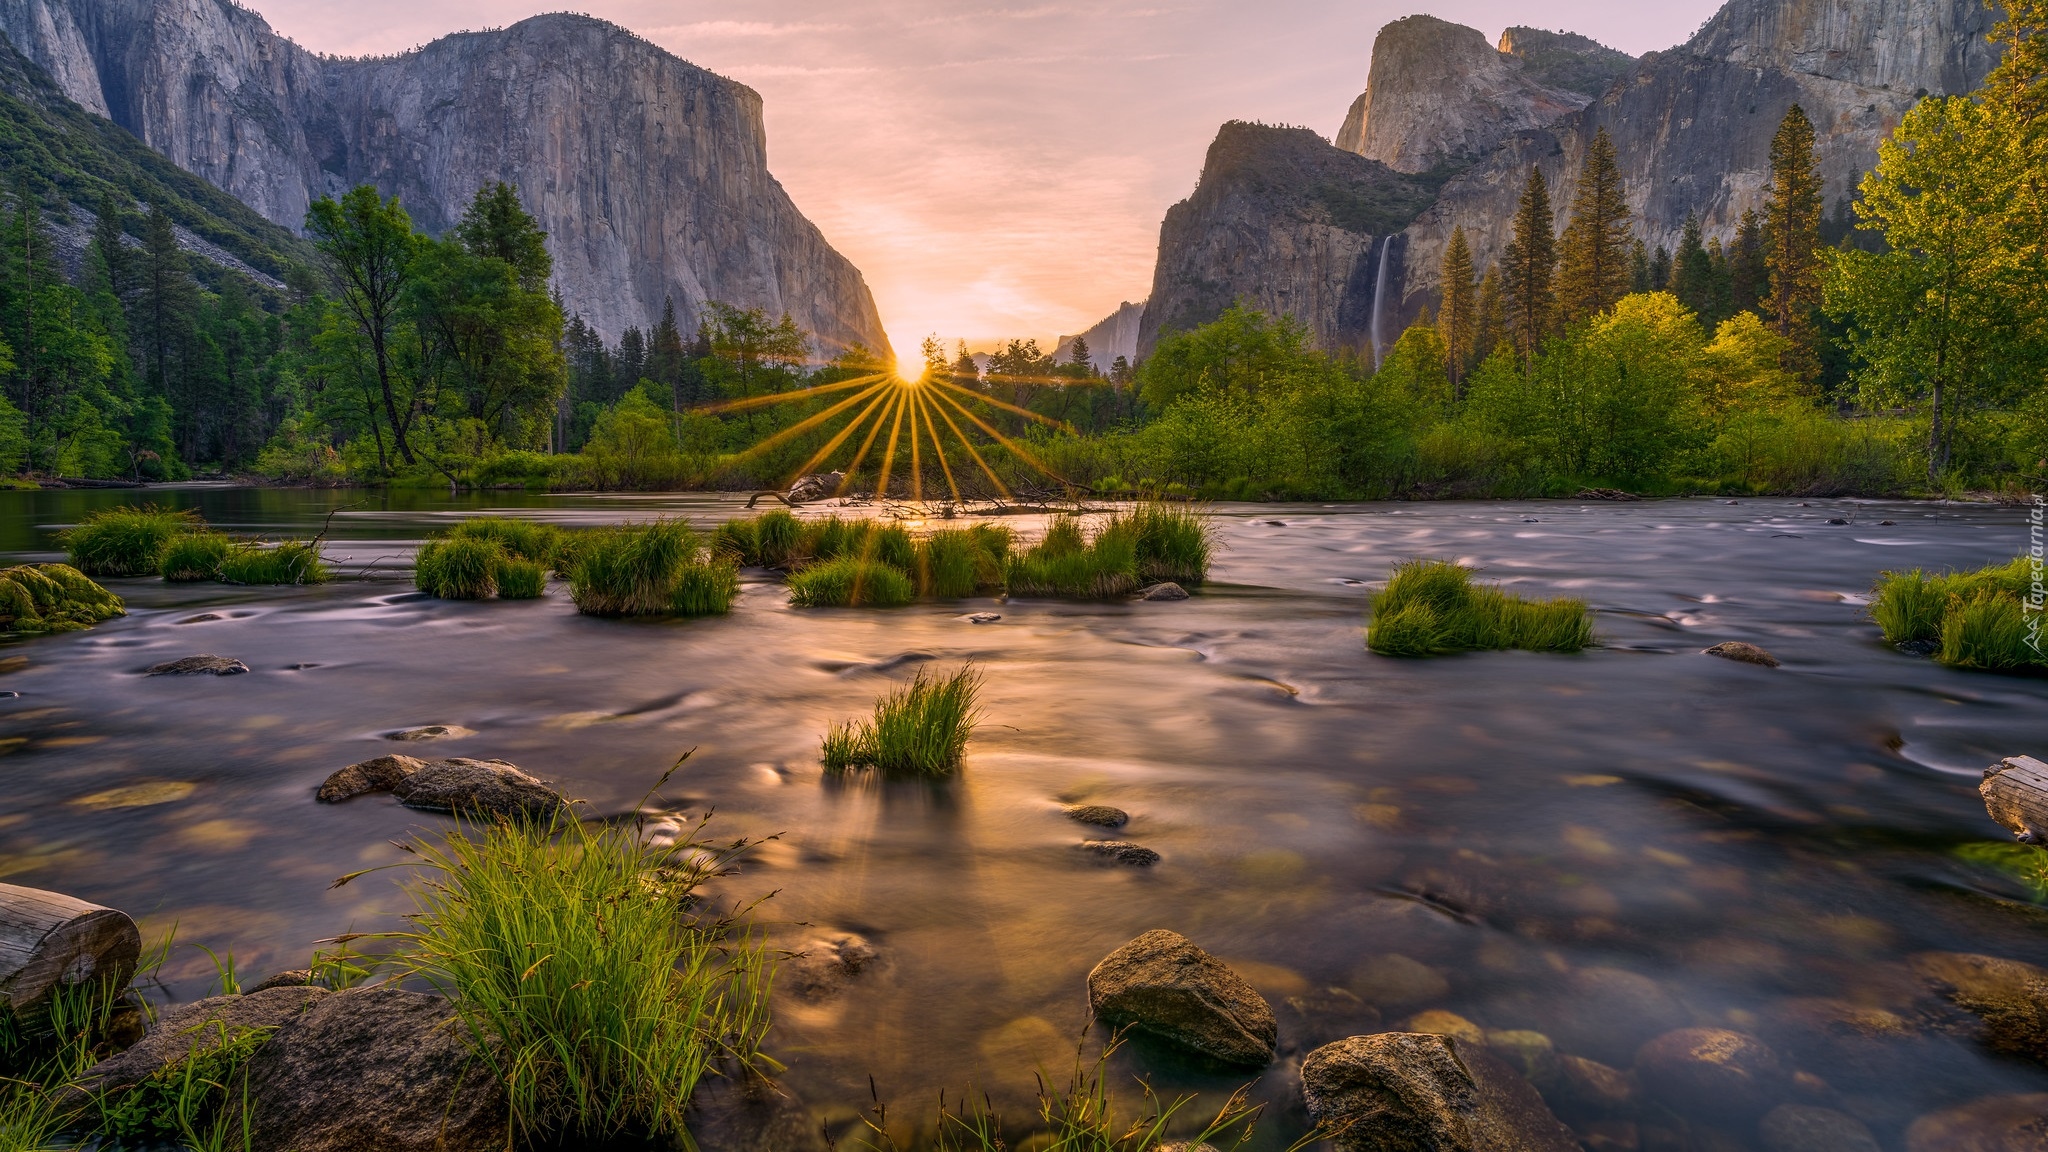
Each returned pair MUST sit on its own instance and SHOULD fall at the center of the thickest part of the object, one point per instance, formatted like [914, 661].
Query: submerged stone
[1164, 591]
[1420, 1092]
[1990, 1124]
[1393, 981]
[2010, 997]
[432, 732]
[199, 666]
[458, 785]
[1121, 852]
[825, 965]
[1164, 985]
[1804, 1128]
[1100, 815]
[1745, 653]
[1711, 1073]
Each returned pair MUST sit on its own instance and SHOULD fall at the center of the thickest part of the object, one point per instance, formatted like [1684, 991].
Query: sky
[999, 168]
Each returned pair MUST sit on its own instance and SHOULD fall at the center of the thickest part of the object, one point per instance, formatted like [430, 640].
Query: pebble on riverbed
[199, 666]
[1121, 852]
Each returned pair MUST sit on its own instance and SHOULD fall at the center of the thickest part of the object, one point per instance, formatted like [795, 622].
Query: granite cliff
[649, 174]
[1114, 335]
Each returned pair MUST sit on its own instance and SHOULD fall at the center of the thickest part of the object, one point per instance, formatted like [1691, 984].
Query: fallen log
[49, 941]
[2015, 792]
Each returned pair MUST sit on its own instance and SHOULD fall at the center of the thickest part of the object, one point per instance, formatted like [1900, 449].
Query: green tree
[1528, 269]
[1748, 274]
[371, 251]
[1489, 317]
[1241, 353]
[1793, 254]
[1593, 270]
[497, 225]
[1692, 273]
[1456, 320]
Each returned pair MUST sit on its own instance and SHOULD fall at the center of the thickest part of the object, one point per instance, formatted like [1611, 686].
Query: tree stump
[49, 941]
[2015, 792]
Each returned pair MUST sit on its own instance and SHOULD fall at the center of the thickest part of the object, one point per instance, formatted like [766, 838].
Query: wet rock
[1745, 653]
[1100, 815]
[1887, 523]
[748, 1114]
[1605, 494]
[1611, 1011]
[1991, 1124]
[1392, 982]
[379, 775]
[197, 1027]
[1804, 1128]
[1838, 521]
[1610, 1136]
[1425, 1093]
[1121, 852]
[1711, 1074]
[983, 617]
[1164, 591]
[289, 978]
[1528, 1053]
[203, 618]
[375, 1068]
[818, 486]
[1588, 1087]
[457, 784]
[1441, 1023]
[827, 964]
[1164, 985]
[1853, 1043]
[432, 732]
[199, 666]
[1918, 647]
[2011, 998]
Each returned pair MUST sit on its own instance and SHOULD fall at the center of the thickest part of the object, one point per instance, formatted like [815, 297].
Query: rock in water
[1164, 591]
[2010, 997]
[1164, 985]
[1121, 852]
[433, 732]
[820, 486]
[1425, 1093]
[1990, 1124]
[458, 784]
[1803, 1128]
[1745, 653]
[196, 1028]
[199, 666]
[1711, 1073]
[379, 775]
[1100, 815]
[375, 1068]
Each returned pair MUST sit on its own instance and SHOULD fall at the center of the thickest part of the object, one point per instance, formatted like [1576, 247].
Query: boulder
[380, 775]
[197, 1027]
[817, 486]
[1418, 1092]
[1121, 852]
[1100, 815]
[1166, 590]
[1164, 985]
[1743, 653]
[199, 666]
[375, 1068]
[1711, 1074]
[457, 784]
[1991, 1124]
[2010, 997]
[1804, 1128]
[289, 978]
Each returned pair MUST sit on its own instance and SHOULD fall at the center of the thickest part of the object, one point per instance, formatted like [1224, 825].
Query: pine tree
[1593, 268]
[1660, 270]
[165, 312]
[1078, 355]
[1454, 323]
[1489, 317]
[1747, 274]
[1638, 266]
[1529, 268]
[109, 250]
[1793, 254]
[665, 356]
[1692, 275]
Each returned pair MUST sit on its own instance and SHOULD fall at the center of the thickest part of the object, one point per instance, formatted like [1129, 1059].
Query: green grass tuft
[520, 579]
[706, 587]
[1067, 563]
[954, 563]
[1976, 620]
[459, 568]
[850, 582]
[1988, 631]
[737, 539]
[920, 729]
[195, 556]
[291, 562]
[127, 541]
[1432, 608]
[656, 569]
[52, 598]
[522, 539]
[1175, 542]
[777, 533]
[585, 973]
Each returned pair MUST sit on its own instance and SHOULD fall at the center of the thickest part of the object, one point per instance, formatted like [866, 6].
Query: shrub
[524, 539]
[1431, 608]
[195, 556]
[1066, 563]
[1174, 542]
[127, 541]
[521, 579]
[459, 568]
[706, 587]
[52, 598]
[776, 536]
[920, 729]
[291, 562]
[631, 570]
[850, 582]
[585, 973]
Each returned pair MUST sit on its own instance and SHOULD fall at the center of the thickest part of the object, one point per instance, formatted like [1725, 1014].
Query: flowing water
[1598, 847]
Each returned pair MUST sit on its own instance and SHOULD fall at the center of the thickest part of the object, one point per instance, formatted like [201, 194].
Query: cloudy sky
[999, 168]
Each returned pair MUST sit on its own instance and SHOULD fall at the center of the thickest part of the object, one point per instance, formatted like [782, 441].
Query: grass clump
[1976, 620]
[52, 598]
[737, 539]
[1432, 608]
[1068, 563]
[587, 977]
[544, 544]
[458, 568]
[290, 562]
[1988, 631]
[850, 582]
[1174, 542]
[521, 579]
[920, 729]
[655, 569]
[833, 538]
[954, 563]
[127, 541]
[706, 588]
[194, 556]
[776, 535]
[492, 556]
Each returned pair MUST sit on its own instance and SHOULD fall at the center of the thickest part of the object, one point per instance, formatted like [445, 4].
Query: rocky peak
[1938, 46]
[1566, 60]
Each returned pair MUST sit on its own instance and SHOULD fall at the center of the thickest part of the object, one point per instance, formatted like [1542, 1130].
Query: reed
[586, 974]
[850, 582]
[1175, 542]
[705, 587]
[954, 563]
[1987, 631]
[194, 556]
[1432, 608]
[520, 579]
[631, 570]
[920, 729]
[523, 539]
[777, 533]
[36, 598]
[290, 562]
[1067, 563]
[459, 568]
[127, 541]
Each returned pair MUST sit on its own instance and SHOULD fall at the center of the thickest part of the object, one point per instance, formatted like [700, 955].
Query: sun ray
[889, 453]
[853, 469]
[809, 422]
[725, 406]
[969, 445]
[916, 457]
[1006, 442]
[987, 399]
[833, 444]
[939, 450]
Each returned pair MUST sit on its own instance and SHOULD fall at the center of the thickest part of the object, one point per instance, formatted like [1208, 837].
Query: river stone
[478, 788]
[1419, 1092]
[200, 1026]
[1391, 981]
[1991, 1124]
[199, 666]
[983, 617]
[432, 732]
[825, 965]
[1745, 653]
[1611, 1012]
[749, 1114]
[1804, 1128]
[1529, 1053]
[2010, 997]
[379, 775]
[1121, 852]
[1165, 985]
[1100, 815]
[375, 1068]
[289, 978]
[1589, 1086]
[1167, 590]
[1711, 1073]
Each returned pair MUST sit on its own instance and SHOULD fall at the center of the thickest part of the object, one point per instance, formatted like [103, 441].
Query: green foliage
[1973, 620]
[2025, 863]
[738, 540]
[521, 579]
[776, 537]
[653, 569]
[1174, 542]
[459, 568]
[492, 556]
[954, 563]
[52, 598]
[587, 975]
[863, 538]
[524, 539]
[706, 587]
[195, 556]
[127, 541]
[288, 562]
[200, 1102]
[1988, 631]
[1068, 565]
[1432, 608]
[919, 729]
[851, 582]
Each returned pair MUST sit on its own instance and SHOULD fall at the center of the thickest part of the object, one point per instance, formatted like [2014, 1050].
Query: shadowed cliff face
[1693, 126]
[1286, 223]
[648, 173]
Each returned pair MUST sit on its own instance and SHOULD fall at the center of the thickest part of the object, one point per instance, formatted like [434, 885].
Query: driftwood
[2015, 792]
[49, 940]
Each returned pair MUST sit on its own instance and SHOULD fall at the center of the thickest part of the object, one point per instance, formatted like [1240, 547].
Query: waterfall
[1379, 301]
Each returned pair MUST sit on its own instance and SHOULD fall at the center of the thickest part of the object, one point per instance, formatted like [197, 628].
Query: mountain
[1693, 126]
[1114, 335]
[1566, 61]
[649, 174]
[1285, 222]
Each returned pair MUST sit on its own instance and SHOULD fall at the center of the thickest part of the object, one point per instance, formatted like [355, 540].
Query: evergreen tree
[163, 325]
[496, 224]
[1747, 273]
[1692, 275]
[1454, 322]
[1529, 267]
[667, 358]
[1489, 317]
[1593, 269]
[631, 362]
[1660, 270]
[1793, 255]
[110, 256]
[1638, 266]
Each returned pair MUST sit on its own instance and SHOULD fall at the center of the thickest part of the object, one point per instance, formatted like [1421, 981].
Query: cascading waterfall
[1379, 298]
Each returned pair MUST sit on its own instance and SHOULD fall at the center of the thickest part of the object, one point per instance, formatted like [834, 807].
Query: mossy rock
[53, 598]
